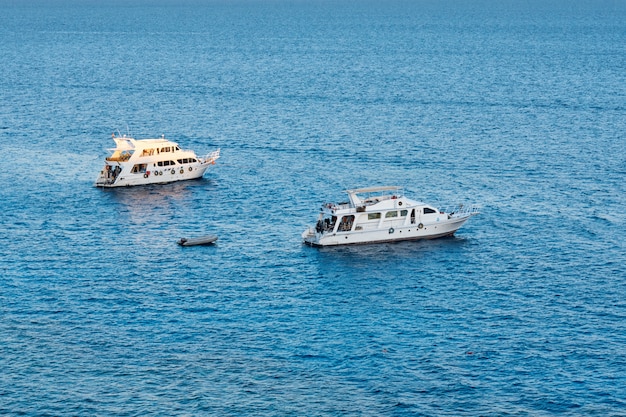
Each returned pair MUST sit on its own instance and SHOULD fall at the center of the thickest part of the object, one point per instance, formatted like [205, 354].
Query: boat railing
[462, 210]
[377, 198]
[333, 207]
[212, 156]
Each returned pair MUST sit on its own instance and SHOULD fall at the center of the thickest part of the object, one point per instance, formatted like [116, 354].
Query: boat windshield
[367, 196]
[120, 156]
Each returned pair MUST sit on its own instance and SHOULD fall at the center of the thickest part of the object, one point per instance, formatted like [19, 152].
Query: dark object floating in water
[204, 240]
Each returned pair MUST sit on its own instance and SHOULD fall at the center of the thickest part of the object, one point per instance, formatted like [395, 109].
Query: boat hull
[198, 241]
[161, 176]
[392, 234]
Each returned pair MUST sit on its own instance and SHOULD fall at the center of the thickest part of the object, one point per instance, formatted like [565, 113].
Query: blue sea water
[519, 107]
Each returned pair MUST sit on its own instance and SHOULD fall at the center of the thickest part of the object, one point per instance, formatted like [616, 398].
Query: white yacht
[151, 161]
[383, 214]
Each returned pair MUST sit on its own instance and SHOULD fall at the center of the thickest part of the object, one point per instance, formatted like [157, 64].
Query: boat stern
[309, 236]
[312, 237]
[108, 176]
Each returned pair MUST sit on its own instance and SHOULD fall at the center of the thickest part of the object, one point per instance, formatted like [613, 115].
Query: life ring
[182, 171]
[420, 226]
[190, 168]
[391, 230]
[173, 171]
[145, 175]
[160, 172]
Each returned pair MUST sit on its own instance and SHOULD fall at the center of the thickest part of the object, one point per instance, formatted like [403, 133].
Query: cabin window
[346, 223]
[192, 160]
[183, 161]
[391, 214]
[147, 152]
[165, 163]
[428, 210]
[373, 216]
[166, 149]
[139, 168]
[403, 213]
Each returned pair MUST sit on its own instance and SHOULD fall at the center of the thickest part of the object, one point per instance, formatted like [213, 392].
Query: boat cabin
[372, 209]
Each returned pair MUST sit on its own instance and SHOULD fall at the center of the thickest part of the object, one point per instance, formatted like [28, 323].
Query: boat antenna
[119, 134]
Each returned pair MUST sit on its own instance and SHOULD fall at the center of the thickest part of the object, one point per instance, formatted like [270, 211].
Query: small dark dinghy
[204, 240]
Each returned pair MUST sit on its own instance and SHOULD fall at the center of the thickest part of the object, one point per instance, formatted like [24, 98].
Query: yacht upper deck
[372, 195]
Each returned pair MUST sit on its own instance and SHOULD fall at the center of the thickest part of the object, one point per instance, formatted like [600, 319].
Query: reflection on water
[385, 255]
[155, 194]
[162, 207]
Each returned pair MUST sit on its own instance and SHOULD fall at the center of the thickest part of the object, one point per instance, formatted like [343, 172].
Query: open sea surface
[518, 106]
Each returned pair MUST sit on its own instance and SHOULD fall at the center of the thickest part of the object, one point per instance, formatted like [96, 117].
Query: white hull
[160, 176]
[391, 234]
[384, 218]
